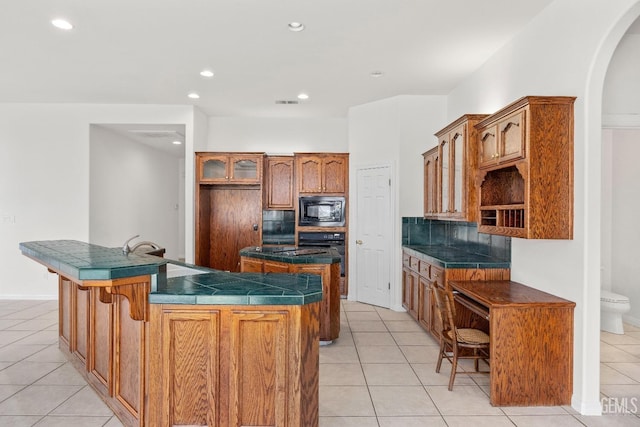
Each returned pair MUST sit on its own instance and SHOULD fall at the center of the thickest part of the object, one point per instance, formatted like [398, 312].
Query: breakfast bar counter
[167, 343]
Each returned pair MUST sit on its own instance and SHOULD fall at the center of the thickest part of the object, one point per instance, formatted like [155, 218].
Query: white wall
[625, 211]
[564, 51]
[133, 189]
[44, 179]
[277, 135]
[395, 132]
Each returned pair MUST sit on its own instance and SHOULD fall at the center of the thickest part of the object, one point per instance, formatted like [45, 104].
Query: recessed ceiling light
[63, 24]
[193, 95]
[376, 74]
[296, 26]
[176, 142]
[206, 73]
[303, 96]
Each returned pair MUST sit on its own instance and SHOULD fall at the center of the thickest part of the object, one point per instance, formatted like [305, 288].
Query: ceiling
[152, 51]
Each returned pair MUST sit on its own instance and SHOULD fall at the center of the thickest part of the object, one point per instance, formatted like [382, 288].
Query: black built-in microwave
[321, 211]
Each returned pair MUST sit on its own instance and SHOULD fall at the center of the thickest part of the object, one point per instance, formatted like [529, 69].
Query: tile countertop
[85, 261]
[292, 254]
[452, 257]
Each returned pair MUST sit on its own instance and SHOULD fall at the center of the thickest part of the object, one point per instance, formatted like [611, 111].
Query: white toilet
[612, 307]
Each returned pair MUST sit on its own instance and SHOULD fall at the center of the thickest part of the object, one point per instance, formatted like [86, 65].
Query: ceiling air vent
[286, 102]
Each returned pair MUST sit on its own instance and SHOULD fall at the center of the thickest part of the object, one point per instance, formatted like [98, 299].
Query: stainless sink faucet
[125, 248]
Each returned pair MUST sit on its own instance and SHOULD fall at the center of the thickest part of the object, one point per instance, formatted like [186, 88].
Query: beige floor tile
[362, 315]
[33, 325]
[462, 400]
[611, 353]
[634, 334]
[345, 339]
[348, 422]
[7, 323]
[19, 421]
[610, 374]
[7, 390]
[413, 338]
[478, 421]
[40, 337]
[367, 326]
[420, 353]
[26, 372]
[380, 354]
[429, 421]
[386, 314]
[373, 338]
[402, 326]
[401, 401]
[609, 421]
[48, 354]
[341, 374]
[345, 401]
[84, 403]
[631, 370]
[37, 400]
[427, 375]
[64, 375]
[15, 353]
[389, 374]
[621, 391]
[114, 422]
[73, 421]
[356, 306]
[617, 339]
[632, 349]
[545, 421]
[338, 354]
[534, 410]
[9, 337]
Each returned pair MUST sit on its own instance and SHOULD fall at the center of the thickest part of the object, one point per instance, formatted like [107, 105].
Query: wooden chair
[458, 343]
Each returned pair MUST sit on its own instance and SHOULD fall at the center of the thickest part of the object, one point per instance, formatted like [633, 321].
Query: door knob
[358, 242]
[255, 227]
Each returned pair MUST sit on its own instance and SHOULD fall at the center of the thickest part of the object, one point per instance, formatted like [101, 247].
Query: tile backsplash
[278, 227]
[464, 235]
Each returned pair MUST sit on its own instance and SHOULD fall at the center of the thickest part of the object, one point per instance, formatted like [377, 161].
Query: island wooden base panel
[195, 365]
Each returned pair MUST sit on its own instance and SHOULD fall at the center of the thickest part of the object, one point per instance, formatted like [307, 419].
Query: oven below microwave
[321, 211]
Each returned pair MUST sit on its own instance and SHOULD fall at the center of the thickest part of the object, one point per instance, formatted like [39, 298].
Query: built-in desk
[531, 340]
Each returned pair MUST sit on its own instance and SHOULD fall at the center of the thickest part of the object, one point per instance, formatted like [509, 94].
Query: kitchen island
[324, 262]
[166, 343]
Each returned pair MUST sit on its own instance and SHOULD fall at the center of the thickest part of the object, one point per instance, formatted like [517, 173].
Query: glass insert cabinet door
[215, 169]
[229, 169]
[245, 169]
[458, 172]
[445, 161]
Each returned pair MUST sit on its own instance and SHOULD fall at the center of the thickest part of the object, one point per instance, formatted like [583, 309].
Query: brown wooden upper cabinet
[450, 172]
[229, 168]
[279, 182]
[322, 173]
[526, 183]
[431, 207]
[503, 141]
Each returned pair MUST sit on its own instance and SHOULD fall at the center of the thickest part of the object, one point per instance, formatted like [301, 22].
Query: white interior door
[373, 235]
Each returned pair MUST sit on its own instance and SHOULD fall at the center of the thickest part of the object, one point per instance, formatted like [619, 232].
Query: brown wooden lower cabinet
[418, 279]
[330, 307]
[196, 365]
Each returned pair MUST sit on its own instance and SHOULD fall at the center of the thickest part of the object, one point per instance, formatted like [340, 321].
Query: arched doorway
[593, 181]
